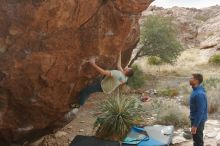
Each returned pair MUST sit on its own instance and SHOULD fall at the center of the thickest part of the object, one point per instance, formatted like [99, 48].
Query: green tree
[158, 38]
[138, 79]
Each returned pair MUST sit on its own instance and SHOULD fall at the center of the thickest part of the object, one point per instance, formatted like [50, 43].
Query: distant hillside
[196, 27]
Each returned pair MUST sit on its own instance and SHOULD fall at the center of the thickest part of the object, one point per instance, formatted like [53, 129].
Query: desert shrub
[185, 100]
[138, 79]
[215, 59]
[213, 100]
[202, 17]
[211, 83]
[173, 114]
[154, 60]
[158, 38]
[116, 116]
[212, 86]
[169, 92]
[185, 88]
[213, 105]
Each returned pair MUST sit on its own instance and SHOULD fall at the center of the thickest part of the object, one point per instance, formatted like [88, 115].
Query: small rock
[69, 127]
[178, 139]
[147, 91]
[218, 136]
[152, 118]
[212, 134]
[187, 134]
[109, 33]
[71, 138]
[217, 129]
[82, 121]
[60, 134]
[81, 130]
[154, 115]
[213, 122]
[218, 143]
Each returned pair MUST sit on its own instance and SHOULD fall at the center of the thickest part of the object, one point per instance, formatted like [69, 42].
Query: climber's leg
[85, 93]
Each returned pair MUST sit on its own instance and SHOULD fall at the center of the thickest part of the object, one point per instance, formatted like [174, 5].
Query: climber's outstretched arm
[99, 69]
[119, 62]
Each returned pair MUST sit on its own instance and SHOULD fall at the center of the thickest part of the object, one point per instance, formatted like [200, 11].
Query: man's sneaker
[187, 134]
[71, 114]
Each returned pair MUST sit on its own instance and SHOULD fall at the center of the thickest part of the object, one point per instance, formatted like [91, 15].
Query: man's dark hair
[198, 77]
[130, 72]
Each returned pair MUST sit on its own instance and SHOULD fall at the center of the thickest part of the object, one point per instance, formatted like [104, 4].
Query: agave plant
[116, 116]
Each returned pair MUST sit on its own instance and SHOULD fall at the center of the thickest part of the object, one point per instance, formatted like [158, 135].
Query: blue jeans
[85, 93]
[198, 137]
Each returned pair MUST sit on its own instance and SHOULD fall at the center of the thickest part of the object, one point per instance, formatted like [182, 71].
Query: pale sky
[186, 3]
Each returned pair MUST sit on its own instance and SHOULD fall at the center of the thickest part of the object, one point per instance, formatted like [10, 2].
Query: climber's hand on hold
[92, 60]
[99, 69]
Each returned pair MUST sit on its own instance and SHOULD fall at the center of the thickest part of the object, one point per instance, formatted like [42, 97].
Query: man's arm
[119, 62]
[99, 69]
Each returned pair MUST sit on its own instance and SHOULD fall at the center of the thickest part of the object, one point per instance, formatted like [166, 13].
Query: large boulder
[44, 45]
[209, 32]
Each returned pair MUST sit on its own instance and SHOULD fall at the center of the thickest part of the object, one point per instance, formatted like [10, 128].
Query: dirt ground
[83, 125]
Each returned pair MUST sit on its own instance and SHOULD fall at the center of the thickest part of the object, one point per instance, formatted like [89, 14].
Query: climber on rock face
[112, 80]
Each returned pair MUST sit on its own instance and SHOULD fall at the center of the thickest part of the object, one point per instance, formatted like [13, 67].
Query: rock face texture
[196, 27]
[44, 45]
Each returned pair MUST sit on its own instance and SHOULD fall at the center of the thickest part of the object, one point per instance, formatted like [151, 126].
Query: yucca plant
[116, 116]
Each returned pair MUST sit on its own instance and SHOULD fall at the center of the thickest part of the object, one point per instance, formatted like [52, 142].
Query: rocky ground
[211, 132]
[83, 125]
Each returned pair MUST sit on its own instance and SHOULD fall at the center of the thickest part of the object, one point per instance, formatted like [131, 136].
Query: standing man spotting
[198, 109]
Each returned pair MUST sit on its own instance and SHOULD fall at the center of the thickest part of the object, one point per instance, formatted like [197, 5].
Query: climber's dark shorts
[85, 93]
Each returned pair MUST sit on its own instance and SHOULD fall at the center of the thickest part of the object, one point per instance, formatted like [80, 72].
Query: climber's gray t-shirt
[109, 84]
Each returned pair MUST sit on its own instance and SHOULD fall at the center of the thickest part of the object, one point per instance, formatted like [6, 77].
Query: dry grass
[185, 100]
[190, 61]
[168, 112]
[213, 100]
[169, 92]
[172, 113]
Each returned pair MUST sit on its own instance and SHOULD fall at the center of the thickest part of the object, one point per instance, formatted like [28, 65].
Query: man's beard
[191, 83]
